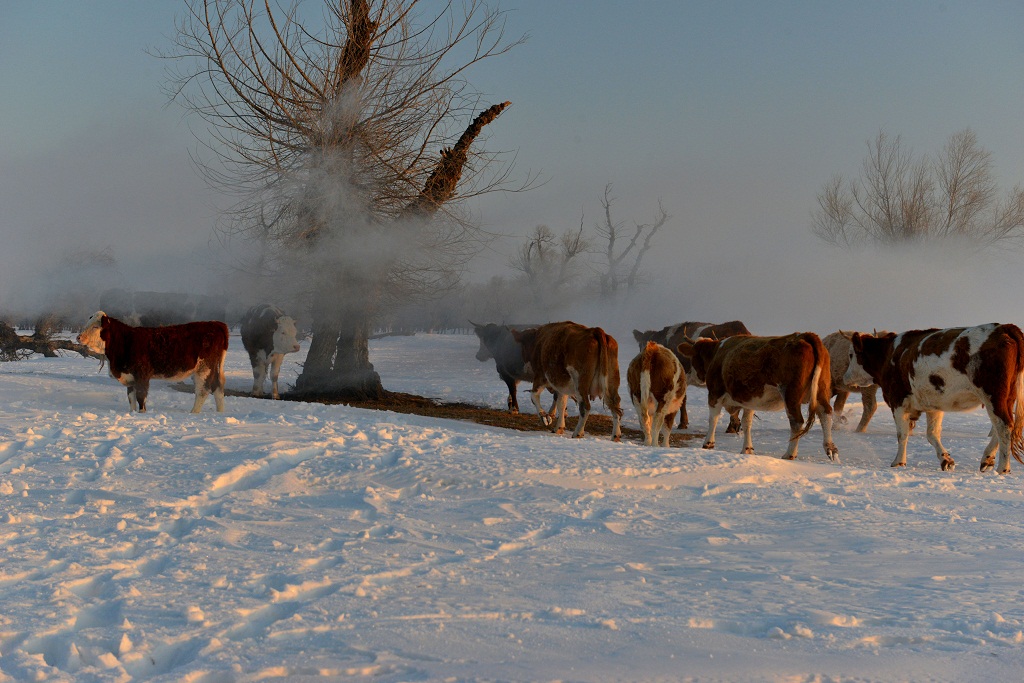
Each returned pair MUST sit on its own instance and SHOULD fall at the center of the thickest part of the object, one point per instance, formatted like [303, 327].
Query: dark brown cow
[577, 361]
[839, 351]
[766, 373]
[937, 370]
[657, 387]
[137, 354]
[670, 337]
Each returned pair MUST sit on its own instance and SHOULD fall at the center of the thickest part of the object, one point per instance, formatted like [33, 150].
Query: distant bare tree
[345, 132]
[898, 198]
[614, 273]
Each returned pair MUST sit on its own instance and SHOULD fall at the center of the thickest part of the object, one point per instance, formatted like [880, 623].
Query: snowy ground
[300, 542]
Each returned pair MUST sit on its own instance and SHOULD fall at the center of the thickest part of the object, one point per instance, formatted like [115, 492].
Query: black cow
[496, 342]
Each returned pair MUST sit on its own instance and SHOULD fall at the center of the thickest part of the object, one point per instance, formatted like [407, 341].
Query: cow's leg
[934, 420]
[903, 426]
[869, 397]
[747, 425]
[988, 458]
[666, 429]
[1002, 418]
[200, 378]
[657, 425]
[643, 415]
[133, 403]
[141, 387]
[513, 400]
[825, 416]
[259, 372]
[796, 418]
[559, 421]
[839, 406]
[535, 398]
[714, 412]
[275, 372]
[584, 405]
[684, 418]
[617, 422]
[734, 421]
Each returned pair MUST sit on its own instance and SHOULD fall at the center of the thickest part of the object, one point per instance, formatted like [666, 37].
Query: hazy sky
[733, 114]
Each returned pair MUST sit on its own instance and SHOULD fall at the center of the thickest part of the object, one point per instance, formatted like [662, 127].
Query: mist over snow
[283, 541]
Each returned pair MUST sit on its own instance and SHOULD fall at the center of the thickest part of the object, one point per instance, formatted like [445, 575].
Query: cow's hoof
[708, 445]
[898, 464]
[748, 451]
[842, 420]
[732, 430]
[617, 439]
[558, 431]
[1006, 471]
[947, 463]
[833, 453]
[987, 465]
[513, 411]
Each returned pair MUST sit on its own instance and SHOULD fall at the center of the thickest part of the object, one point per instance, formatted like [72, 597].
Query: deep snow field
[302, 542]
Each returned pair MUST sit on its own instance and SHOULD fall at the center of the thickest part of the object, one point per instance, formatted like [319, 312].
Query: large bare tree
[899, 198]
[334, 126]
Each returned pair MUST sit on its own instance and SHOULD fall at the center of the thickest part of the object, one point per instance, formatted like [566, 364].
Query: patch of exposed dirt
[411, 404]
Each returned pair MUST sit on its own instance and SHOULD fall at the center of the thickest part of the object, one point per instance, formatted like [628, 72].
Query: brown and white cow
[267, 335]
[937, 370]
[577, 361]
[657, 387]
[839, 351]
[766, 373]
[670, 337]
[137, 354]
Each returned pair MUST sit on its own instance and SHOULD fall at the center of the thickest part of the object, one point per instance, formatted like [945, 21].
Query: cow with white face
[267, 335]
[937, 370]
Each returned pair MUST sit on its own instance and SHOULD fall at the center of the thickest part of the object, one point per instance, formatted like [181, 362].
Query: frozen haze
[303, 542]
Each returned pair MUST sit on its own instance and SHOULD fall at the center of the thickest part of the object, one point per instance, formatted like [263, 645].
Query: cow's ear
[848, 335]
[638, 336]
[516, 334]
[686, 349]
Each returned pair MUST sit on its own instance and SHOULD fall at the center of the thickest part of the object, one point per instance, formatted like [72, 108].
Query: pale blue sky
[731, 113]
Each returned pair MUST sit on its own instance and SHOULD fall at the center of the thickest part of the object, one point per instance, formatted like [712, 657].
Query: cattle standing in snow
[267, 335]
[937, 370]
[137, 354]
[766, 373]
[670, 337]
[577, 361]
[497, 342]
[839, 351]
[657, 387]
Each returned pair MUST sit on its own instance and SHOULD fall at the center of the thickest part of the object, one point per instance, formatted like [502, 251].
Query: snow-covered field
[301, 542]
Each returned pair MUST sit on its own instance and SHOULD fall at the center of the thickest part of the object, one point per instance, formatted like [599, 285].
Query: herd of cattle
[921, 371]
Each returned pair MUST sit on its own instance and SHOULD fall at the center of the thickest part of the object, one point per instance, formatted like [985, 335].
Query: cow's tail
[607, 372]
[645, 375]
[1017, 432]
[820, 355]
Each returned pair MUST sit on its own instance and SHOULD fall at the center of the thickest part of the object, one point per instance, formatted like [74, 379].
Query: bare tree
[328, 125]
[637, 246]
[898, 198]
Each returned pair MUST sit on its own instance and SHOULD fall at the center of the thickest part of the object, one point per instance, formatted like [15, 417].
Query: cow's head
[868, 356]
[286, 335]
[699, 353]
[643, 337]
[485, 333]
[92, 335]
[527, 339]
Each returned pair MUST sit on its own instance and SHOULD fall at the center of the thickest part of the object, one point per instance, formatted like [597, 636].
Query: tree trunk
[338, 363]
